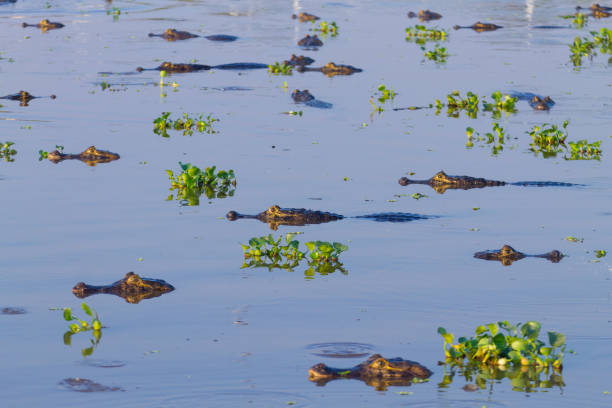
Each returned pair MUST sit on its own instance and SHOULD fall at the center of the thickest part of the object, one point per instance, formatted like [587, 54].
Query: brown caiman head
[330, 69]
[93, 154]
[132, 288]
[506, 255]
[538, 103]
[302, 96]
[376, 371]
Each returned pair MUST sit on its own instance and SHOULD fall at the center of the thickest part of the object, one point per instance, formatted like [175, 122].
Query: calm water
[64, 223]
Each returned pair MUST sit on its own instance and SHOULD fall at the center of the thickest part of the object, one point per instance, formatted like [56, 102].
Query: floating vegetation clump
[78, 325]
[456, 103]
[44, 154]
[280, 69]
[495, 139]
[421, 34]
[322, 257]
[585, 47]
[383, 94]
[501, 103]
[550, 140]
[327, 28]
[185, 124]
[192, 182]
[7, 153]
[519, 346]
[437, 55]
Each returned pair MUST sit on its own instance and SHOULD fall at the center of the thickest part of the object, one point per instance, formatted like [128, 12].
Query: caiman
[174, 35]
[425, 15]
[181, 68]
[310, 41]
[442, 182]
[44, 25]
[90, 156]
[308, 99]
[597, 11]
[23, 97]
[304, 17]
[132, 288]
[330, 69]
[376, 371]
[537, 102]
[275, 216]
[300, 61]
[506, 255]
[480, 27]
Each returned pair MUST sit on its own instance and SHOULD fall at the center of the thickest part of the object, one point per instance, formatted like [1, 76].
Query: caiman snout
[404, 181]
[232, 215]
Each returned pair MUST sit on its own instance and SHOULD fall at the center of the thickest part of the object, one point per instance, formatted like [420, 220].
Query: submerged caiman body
[442, 182]
[376, 371]
[182, 68]
[174, 35]
[275, 216]
[506, 255]
[90, 156]
[480, 27]
[132, 288]
[330, 69]
[24, 97]
[44, 25]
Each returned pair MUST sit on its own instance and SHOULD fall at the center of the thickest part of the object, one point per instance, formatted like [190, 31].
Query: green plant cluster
[585, 47]
[265, 251]
[280, 69]
[7, 152]
[44, 154]
[520, 346]
[456, 103]
[383, 94]
[501, 103]
[421, 34]
[186, 124]
[437, 55]
[95, 326]
[193, 182]
[550, 140]
[495, 138]
[580, 20]
[523, 379]
[327, 28]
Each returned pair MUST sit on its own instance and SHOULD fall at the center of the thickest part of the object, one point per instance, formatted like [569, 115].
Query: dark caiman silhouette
[376, 371]
[506, 255]
[330, 69]
[181, 68]
[298, 61]
[90, 156]
[24, 97]
[275, 216]
[480, 27]
[537, 102]
[425, 15]
[597, 11]
[304, 17]
[308, 99]
[174, 35]
[132, 288]
[310, 41]
[44, 25]
[442, 182]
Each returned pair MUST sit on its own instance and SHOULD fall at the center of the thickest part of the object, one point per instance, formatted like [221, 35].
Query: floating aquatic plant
[584, 47]
[187, 124]
[583, 150]
[382, 95]
[7, 152]
[495, 138]
[192, 182]
[519, 346]
[44, 154]
[280, 69]
[550, 140]
[78, 325]
[437, 55]
[327, 28]
[501, 103]
[420, 34]
[322, 257]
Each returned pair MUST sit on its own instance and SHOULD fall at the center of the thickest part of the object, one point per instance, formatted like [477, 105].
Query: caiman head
[132, 288]
[538, 103]
[92, 153]
[376, 371]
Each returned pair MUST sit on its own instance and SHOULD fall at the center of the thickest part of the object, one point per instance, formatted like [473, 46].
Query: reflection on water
[96, 336]
[507, 255]
[526, 379]
[132, 288]
[314, 268]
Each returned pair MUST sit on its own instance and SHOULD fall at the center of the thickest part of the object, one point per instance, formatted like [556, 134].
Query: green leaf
[68, 314]
[493, 329]
[310, 245]
[519, 345]
[556, 339]
[340, 247]
[86, 309]
[500, 341]
[531, 330]
[480, 330]
[75, 328]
